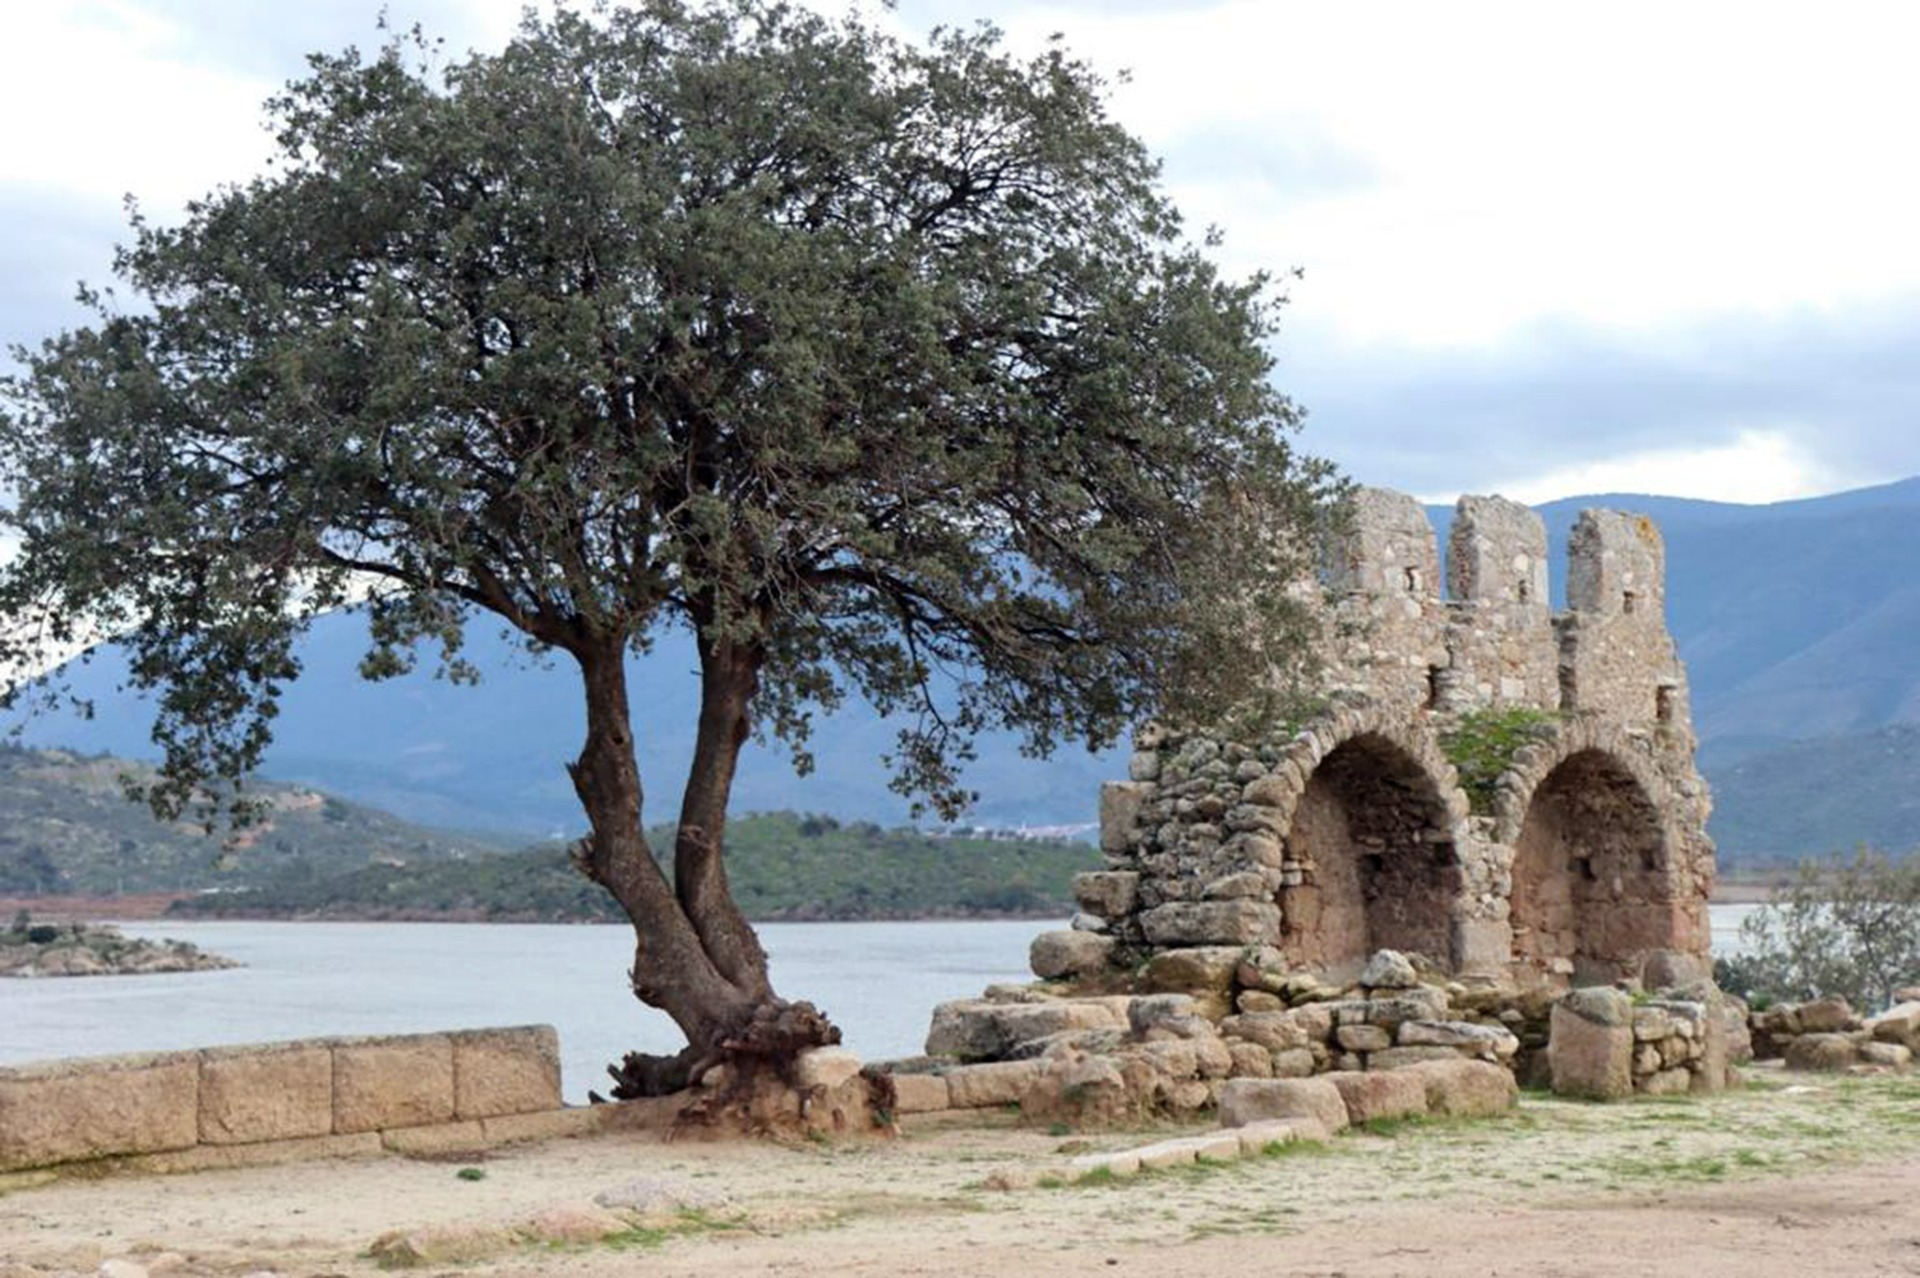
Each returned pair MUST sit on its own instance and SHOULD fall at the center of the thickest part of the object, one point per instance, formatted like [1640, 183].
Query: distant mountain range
[1799, 621]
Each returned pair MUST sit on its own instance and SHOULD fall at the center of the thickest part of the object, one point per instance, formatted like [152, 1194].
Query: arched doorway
[1380, 867]
[1592, 888]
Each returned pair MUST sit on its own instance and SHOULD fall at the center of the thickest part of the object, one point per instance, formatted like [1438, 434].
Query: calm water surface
[879, 982]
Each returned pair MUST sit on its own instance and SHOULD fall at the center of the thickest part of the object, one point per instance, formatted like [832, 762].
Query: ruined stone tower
[1509, 792]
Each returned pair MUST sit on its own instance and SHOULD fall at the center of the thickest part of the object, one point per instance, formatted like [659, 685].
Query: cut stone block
[392, 1082]
[1379, 1094]
[69, 1111]
[1054, 955]
[1111, 894]
[250, 1094]
[1461, 1088]
[1254, 1100]
[920, 1094]
[506, 1071]
[1119, 808]
[1591, 1049]
[984, 1086]
[1239, 922]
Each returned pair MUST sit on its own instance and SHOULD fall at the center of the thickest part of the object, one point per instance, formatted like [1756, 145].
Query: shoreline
[152, 907]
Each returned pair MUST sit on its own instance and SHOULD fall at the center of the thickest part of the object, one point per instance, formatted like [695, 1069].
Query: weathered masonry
[1507, 792]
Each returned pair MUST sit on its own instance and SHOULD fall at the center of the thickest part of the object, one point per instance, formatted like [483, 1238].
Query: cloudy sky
[1548, 249]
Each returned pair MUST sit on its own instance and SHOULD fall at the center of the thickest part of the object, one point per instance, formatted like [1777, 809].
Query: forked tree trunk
[695, 956]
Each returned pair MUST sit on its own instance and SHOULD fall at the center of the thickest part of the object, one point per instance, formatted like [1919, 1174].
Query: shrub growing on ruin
[1482, 745]
[1848, 926]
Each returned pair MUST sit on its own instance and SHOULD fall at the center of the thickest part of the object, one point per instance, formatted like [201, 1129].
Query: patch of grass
[637, 1238]
[1280, 1149]
[1696, 1169]
[1676, 1099]
[1391, 1127]
[471, 1173]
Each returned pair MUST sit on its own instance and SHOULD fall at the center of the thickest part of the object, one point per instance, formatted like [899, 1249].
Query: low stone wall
[1112, 1059]
[1218, 1015]
[315, 1097]
[1828, 1035]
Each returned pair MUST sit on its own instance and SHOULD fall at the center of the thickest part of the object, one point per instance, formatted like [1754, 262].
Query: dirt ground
[1791, 1175]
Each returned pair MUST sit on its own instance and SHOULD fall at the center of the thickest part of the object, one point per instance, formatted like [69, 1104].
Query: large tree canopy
[886, 369]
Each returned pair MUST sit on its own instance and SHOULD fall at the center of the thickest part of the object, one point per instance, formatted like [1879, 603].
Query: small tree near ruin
[1846, 927]
[883, 369]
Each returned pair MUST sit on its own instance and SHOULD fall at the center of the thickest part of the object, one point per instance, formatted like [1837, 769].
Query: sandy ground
[1792, 1175]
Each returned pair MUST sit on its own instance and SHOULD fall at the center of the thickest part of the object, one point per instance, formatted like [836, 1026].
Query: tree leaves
[864, 360]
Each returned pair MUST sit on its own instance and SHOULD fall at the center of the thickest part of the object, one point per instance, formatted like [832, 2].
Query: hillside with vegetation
[68, 828]
[782, 867]
[1824, 795]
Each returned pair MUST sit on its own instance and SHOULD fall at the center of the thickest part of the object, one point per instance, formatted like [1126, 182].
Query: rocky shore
[29, 949]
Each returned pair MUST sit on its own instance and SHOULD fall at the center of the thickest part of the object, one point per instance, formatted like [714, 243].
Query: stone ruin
[1487, 830]
[1504, 792]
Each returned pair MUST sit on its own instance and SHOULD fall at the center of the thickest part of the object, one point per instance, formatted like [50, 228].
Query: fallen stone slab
[1054, 955]
[1461, 1088]
[1822, 1053]
[1379, 1094]
[920, 1094]
[984, 1086]
[1257, 1138]
[1253, 1100]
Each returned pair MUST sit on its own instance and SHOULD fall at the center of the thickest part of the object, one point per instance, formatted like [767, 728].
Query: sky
[1546, 250]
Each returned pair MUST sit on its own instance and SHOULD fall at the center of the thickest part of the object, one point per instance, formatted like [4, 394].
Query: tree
[884, 369]
[1847, 927]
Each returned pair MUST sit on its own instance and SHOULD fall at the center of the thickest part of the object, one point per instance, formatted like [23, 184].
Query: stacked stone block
[1827, 1035]
[1606, 1046]
[1210, 1015]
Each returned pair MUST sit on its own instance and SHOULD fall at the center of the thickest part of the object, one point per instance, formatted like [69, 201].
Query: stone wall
[1606, 1046]
[1580, 857]
[315, 1097]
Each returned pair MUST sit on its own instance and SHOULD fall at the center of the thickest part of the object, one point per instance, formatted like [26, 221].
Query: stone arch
[1374, 844]
[1595, 885]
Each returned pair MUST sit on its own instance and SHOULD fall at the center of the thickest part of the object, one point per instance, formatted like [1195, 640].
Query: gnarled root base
[772, 1037]
[758, 1090]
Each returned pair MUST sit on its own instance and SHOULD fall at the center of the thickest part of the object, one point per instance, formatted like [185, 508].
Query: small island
[30, 949]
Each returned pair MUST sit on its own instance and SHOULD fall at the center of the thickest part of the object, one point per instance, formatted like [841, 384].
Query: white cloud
[1759, 466]
[1617, 165]
[1453, 179]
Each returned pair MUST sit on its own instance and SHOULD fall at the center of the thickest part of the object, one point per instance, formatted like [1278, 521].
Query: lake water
[878, 981]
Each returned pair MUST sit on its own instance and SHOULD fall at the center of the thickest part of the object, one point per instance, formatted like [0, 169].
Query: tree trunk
[717, 992]
[729, 677]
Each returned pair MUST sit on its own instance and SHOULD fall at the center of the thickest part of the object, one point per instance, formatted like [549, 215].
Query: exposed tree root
[758, 1091]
